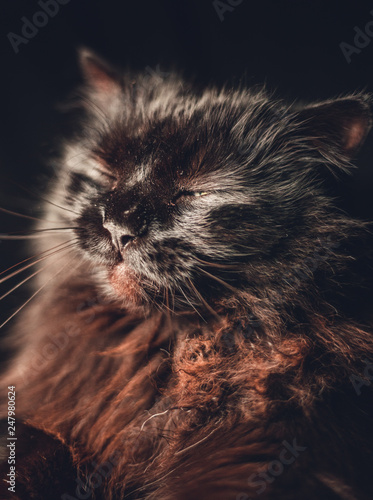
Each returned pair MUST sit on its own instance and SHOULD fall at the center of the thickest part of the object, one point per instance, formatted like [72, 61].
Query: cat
[199, 325]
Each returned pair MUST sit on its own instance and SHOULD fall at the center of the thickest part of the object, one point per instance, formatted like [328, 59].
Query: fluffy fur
[211, 319]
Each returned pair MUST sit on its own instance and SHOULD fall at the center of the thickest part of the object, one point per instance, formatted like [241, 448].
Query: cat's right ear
[99, 76]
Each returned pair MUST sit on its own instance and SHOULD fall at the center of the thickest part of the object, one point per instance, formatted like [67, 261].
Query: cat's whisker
[33, 295]
[191, 304]
[33, 233]
[27, 190]
[22, 282]
[168, 309]
[34, 256]
[59, 206]
[17, 214]
[233, 267]
[165, 304]
[43, 230]
[52, 252]
[25, 237]
[27, 279]
[219, 280]
[174, 300]
[199, 296]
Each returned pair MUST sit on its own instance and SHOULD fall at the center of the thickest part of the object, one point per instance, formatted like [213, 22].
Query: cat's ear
[340, 124]
[100, 77]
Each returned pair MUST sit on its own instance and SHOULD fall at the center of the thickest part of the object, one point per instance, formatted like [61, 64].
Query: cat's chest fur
[176, 396]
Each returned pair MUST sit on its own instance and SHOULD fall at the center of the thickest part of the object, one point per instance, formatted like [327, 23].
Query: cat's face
[178, 193]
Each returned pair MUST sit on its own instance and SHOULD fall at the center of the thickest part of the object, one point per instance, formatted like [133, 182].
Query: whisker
[17, 214]
[59, 206]
[206, 304]
[41, 197]
[34, 233]
[45, 229]
[230, 287]
[165, 304]
[173, 299]
[233, 267]
[190, 303]
[170, 312]
[25, 237]
[25, 280]
[14, 273]
[33, 256]
[32, 296]
[22, 282]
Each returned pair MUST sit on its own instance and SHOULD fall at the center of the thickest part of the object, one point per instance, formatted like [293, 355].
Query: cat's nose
[120, 236]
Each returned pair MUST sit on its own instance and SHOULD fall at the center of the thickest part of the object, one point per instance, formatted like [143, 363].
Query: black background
[291, 46]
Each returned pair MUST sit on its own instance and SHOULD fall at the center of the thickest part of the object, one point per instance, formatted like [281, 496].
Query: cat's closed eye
[183, 194]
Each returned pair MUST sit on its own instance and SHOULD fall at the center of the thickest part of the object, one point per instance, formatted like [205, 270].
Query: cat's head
[183, 195]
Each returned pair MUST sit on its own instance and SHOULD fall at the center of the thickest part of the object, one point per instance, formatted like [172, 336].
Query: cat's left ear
[100, 77]
[341, 124]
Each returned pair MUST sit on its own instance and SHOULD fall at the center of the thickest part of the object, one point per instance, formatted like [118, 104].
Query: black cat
[203, 327]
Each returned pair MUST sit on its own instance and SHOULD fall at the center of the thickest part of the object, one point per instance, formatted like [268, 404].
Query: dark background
[291, 46]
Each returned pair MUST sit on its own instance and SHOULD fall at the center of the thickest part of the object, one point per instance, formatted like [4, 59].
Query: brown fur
[191, 415]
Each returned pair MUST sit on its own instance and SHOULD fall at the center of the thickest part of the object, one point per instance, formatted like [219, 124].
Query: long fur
[238, 326]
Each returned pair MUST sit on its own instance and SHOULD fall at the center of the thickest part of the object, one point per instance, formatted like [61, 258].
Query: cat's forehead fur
[148, 98]
[147, 123]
